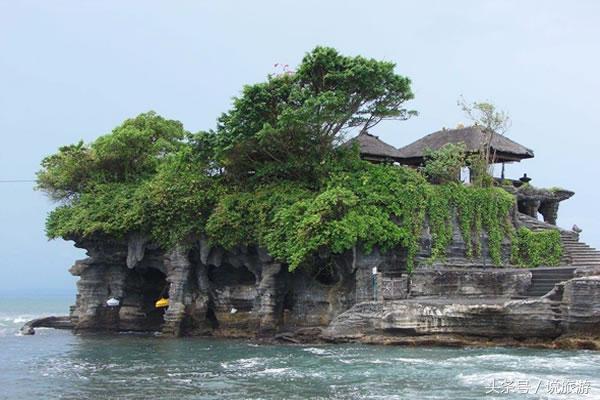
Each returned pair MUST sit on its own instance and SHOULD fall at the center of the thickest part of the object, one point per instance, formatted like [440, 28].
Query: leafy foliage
[534, 249]
[180, 198]
[109, 209]
[443, 165]
[131, 152]
[283, 128]
[387, 206]
[272, 175]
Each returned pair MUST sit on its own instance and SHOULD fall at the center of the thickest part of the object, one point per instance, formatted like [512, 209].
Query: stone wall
[469, 282]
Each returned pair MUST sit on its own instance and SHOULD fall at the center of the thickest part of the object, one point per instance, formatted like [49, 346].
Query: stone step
[543, 280]
[552, 270]
[585, 258]
[551, 278]
[579, 248]
[545, 286]
[585, 263]
[541, 287]
[551, 281]
[537, 294]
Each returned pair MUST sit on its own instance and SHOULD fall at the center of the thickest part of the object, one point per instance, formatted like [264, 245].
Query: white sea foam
[17, 319]
[414, 360]
[275, 371]
[243, 363]
[378, 361]
[537, 362]
[316, 350]
[485, 378]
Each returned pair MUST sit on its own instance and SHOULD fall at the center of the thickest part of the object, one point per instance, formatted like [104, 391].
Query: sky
[72, 70]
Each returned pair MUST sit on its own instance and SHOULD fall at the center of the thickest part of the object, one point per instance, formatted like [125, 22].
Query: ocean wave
[243, 363]
[18, 319]
[550, 362]
[317, 351]
[274, 371]
[378, 361]
[415, 360]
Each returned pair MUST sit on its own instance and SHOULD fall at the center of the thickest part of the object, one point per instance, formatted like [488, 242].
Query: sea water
[55, 364]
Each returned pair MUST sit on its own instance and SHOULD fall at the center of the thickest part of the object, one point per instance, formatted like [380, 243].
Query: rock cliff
[245, 293]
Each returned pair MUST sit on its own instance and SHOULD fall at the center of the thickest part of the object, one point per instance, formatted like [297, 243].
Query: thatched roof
[374, 149]
[505, 150]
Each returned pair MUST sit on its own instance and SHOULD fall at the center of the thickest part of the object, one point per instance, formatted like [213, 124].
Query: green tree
[66, 173]
[131, 152]
[492, 121]
[286, 126]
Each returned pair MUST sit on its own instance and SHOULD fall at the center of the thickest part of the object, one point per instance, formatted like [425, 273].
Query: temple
[531, 201]
[367, 295]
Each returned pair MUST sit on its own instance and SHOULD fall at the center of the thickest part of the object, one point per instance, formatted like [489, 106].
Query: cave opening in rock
[144, 287]
[228, 275]
[324, 272]
[235, 289]
[288, 301]
[211, 317]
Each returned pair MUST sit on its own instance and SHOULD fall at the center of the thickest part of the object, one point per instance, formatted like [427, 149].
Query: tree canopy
[272, 174]
[286, 126]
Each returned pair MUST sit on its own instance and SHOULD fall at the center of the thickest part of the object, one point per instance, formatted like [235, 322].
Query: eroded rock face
[572, 308]
[580, 306]
[244, 292]
[469, 282]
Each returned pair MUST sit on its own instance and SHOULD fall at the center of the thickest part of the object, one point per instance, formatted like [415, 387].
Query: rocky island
[272, 225]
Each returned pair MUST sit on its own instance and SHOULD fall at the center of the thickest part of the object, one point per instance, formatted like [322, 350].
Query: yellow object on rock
[161, 303]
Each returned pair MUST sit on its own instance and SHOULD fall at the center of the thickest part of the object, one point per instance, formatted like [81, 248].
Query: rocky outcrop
[179, 277]
[532, 200]
[572, 308]
[244, 292]
[580, 306]
[62, 322]
[240, 292]
[469, 282]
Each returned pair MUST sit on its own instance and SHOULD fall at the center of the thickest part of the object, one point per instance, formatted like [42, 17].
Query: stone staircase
[544, 279]
[577, 253]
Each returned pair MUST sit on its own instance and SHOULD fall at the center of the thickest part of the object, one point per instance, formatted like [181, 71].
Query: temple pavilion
[531, 201]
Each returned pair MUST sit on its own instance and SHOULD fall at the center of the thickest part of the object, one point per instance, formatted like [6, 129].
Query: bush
[444, 165]
[534, 249]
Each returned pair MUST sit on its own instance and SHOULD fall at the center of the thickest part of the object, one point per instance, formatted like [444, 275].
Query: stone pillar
[549, 210]
[529, 207]
[97, 282]
[269, 295]
[200, 324]
[178, 274]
